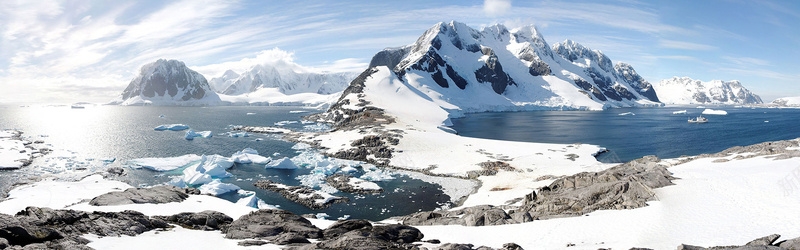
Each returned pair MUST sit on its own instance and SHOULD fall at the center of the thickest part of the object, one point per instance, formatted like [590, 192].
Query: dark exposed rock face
[492, 72]
[153, 195]
[376, 146]
[341, 227]
[342, 183]
[206, 220]
[626, 72]
[270, 224]
[62, 229]
[303, 195]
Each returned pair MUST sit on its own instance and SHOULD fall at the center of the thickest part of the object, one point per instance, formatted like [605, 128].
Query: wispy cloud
[672, 44]
[746, 61]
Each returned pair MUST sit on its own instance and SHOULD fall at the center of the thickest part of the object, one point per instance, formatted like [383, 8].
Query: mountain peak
[685, 90]
[168, 82]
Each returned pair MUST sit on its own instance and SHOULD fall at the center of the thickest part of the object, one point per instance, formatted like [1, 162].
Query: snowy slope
[218, 84]
[684, 90]
[168, 82]
[787, 101]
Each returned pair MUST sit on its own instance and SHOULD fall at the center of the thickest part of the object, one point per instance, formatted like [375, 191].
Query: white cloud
[496, 7]
[746, 61]
[672, 44]
[265, 57]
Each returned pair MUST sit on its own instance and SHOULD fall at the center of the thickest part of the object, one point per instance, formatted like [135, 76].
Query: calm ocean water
[126, 133]
[651, 131]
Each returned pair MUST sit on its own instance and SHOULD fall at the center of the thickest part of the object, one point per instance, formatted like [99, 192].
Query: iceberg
[249, 155]
[173, 127]
[283, 163]
[216, 188]
[237, 134]
[165, 164]
[209, 167]
[714, 112]
[681, 112]
[190, 134]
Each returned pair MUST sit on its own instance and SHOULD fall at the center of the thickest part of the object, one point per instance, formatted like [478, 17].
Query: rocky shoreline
[302, 195]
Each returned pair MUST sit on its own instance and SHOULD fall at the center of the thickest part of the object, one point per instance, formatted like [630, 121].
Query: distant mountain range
[460, 68]
[684, 90]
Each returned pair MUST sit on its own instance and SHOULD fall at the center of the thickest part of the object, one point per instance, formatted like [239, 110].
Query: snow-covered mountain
[461, 69]
[168, 82]
[286, 78]
[787, 101]
[218, 84]
[684, 90]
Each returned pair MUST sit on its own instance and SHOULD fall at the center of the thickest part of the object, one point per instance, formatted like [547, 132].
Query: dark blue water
[651, 131]
[126, 133]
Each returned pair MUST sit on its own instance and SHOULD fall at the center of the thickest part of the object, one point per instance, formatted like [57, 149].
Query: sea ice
[714, 112]
[173, 127]
[209, 167]
[377, 175]
[283, 163]
[627, 113]
[216, 188]
[681, 112]
[298, 111]
[251, 113]
[237, 134]
[164, 164]
[249, 155]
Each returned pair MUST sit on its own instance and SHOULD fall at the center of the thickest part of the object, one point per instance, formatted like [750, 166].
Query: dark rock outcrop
[361, 234]
[763, 243]
[302, 195]
[206, 220]
[62, 229]
[153, 195]
[626, 186]
[270, 224]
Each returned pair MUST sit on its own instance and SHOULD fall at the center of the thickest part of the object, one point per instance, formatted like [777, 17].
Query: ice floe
[284, 123]
[249, 155]
[627, 113]
[282, 163]
[714, 112]
[164, 164]
[680, 112]
[190, 134]
[217, 187]
[173, 127]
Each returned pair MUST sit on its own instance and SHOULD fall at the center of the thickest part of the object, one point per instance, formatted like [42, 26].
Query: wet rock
[206, 220]
[267, 223]
[153, 195]
[302, 195]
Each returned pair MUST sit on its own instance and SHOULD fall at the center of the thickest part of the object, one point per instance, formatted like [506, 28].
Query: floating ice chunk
[681, 112]
[251, 113]
[627, 113]
[190, 134]
[322, 216]
[276, 154]
[312, 180]
[283, 163]
[298, 111]
[165, 164]
[203, 172]
[237, 134]
[766, 121]
[377, 175]
[177, 181]
[173, 127]
[284, 123]
[216, 188]
[701, 107]
[249, 155]
[162, 116]
[258, 139]
[344, 217]
[360, 184]
[714, 112]
[196, 178]
[250, 201]
[301, 146]
[348, 170]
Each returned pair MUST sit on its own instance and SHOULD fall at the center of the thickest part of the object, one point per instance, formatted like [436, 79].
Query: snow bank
[164, 164]
[714, 112]
[12, 151]
[173, 127]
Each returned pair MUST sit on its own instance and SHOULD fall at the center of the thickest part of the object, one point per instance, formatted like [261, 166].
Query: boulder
[397, 233]
[764, 241]
[792, 244]
[153, 195]
[206, 220]
[267, 223]
[344, 226]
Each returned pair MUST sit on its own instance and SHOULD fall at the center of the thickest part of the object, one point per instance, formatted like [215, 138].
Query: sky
[71, 51]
